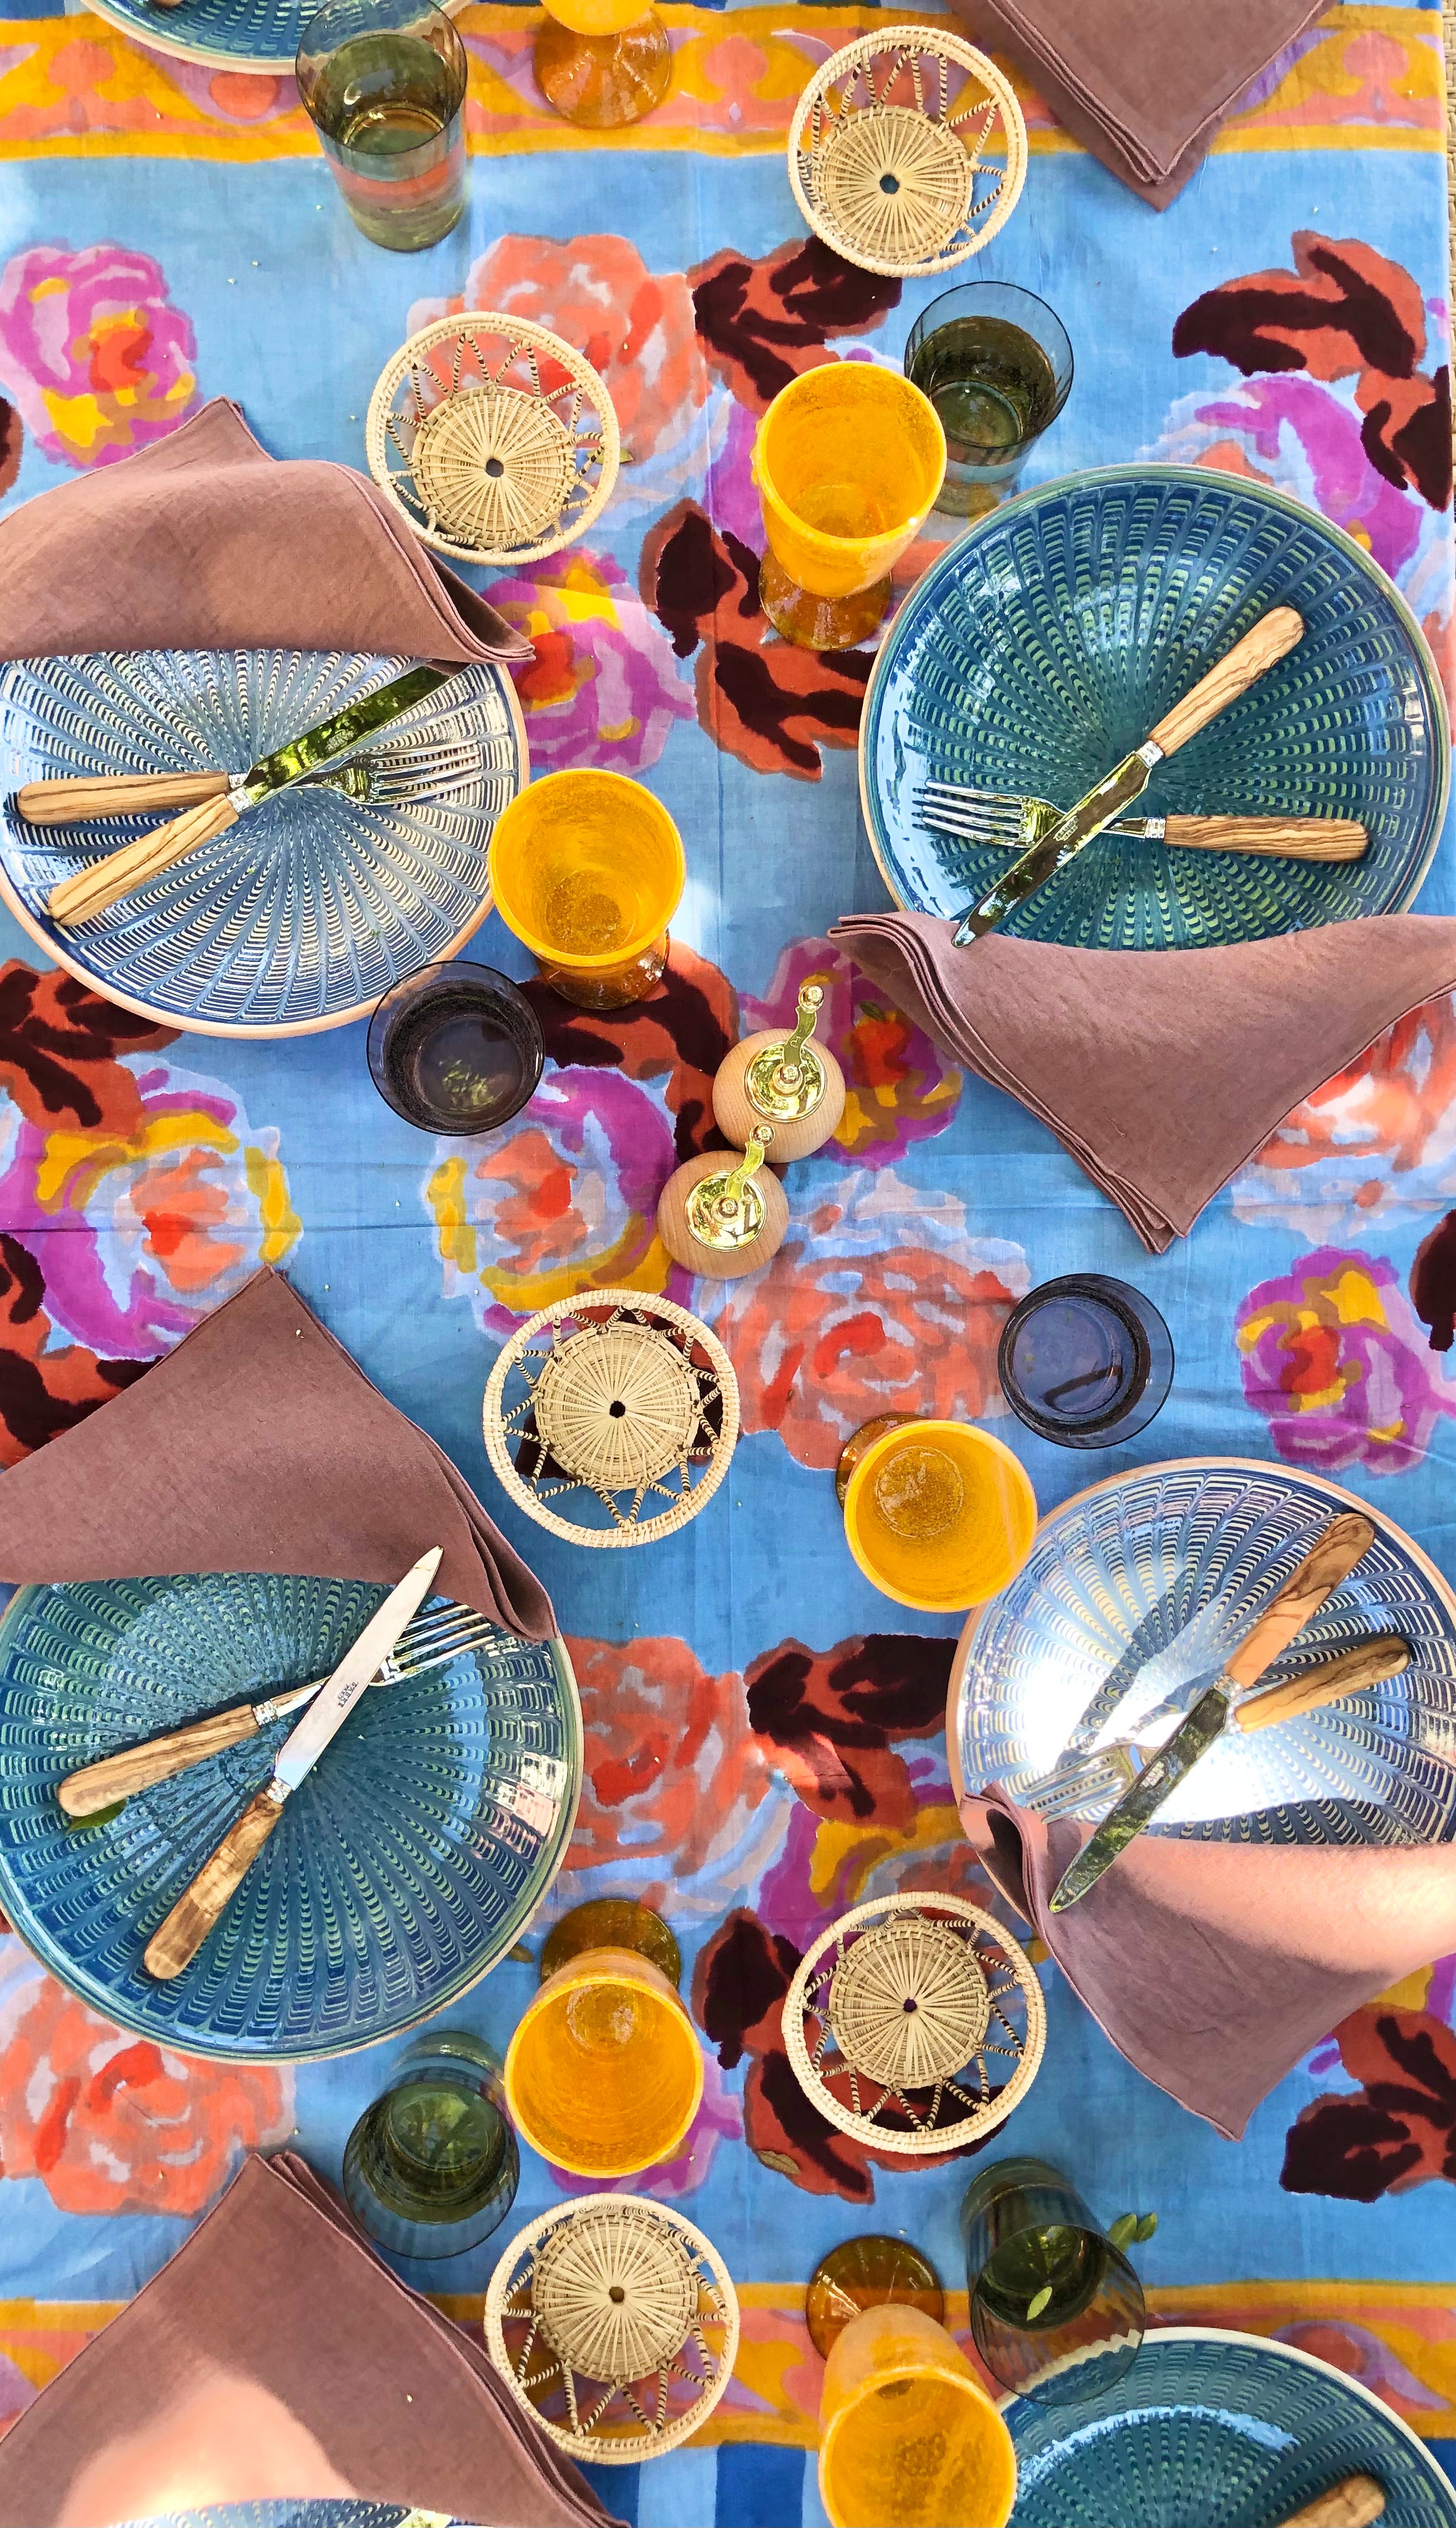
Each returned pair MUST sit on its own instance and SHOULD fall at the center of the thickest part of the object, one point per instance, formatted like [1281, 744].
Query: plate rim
[280, 65]
[1265, 1466]
[185, 1024]
[1193, 474]
[54, 1961]
[1295, 2353]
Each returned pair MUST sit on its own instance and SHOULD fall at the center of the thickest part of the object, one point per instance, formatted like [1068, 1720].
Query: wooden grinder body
[795, 1136]
[721, 1263]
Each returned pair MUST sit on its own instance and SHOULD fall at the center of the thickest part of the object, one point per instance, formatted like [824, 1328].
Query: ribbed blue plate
[1153, 1578]
[402, 1869]
[1218, 2430]
[1047, 642]
[314, 905]
[222, 35]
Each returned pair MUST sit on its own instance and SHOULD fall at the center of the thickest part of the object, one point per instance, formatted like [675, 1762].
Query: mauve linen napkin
[258, 1445]
[1144, 84]
[274, 2357]
[1215, 1967]
[205, 542]
[1160, 1070]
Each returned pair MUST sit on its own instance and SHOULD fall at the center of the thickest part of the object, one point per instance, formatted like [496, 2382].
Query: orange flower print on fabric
[97, 359]
[878, 1301]
[113, 2123]
[636, 326]
[899, 1088]
[1378, 1141]
[675, 1785]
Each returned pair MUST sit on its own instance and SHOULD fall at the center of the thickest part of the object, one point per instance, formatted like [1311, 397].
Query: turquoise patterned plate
[1045, 643]
[1145, 1582]
[1218, 2430]
[315, 903]
[404, 1869]
[222, 35]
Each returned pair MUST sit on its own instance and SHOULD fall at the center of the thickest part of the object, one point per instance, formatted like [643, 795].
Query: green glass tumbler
[383, 82]
[431, 2168]
[1056, 2311]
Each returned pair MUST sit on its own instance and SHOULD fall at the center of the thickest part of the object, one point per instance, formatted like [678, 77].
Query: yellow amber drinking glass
[605, 2074]
[939, 1516]
[588, 870]
[908, 2436]
[602, 63]
[849, 460]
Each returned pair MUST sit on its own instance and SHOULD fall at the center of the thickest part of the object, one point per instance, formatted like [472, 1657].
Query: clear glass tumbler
[995, 363]
[1055, 2310]
[383, 82]
[431, 2168]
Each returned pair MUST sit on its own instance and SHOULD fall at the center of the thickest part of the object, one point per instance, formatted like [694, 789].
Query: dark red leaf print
[773, 705]
[1398, 2130]
[681, 1031]
[763, 322]
[1344, 311]
[12, 444]
[1433, 1284]
[827, 1718]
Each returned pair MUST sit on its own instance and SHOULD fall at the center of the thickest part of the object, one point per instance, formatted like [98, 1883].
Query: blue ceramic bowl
[402, 1871]
[1218, 2430]
[1048, 642]
[1145, 1584]
[316, 902]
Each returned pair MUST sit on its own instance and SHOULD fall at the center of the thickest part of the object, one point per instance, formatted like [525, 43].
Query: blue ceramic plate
[316, 902]
[222, 35]
[1218, 2430]
[402, 1869]
[1151, 1579]
[1047, 641]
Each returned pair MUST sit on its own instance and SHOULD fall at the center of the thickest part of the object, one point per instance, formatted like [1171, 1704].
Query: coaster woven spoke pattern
[908, 151]
[619, 1408]
[916, 2024]
[614, 2323]
[496, 441]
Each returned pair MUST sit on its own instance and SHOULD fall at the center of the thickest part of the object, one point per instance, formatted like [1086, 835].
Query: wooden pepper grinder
[784, 1081]
[721, 1221]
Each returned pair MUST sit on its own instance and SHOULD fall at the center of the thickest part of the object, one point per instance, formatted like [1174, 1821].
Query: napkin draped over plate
[258, 1445]
[276, 2356]
[205, 542]
[1215, 1967]
[1160, 1070]
[1144, 84]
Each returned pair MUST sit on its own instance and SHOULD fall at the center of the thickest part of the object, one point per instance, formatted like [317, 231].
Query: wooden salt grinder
[721, 1221]
[784, 1081]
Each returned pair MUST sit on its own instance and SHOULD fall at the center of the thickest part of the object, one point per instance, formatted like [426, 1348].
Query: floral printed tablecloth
[763, 1732]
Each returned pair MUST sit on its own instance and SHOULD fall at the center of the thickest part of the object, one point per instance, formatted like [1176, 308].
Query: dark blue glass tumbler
[1085, 1361]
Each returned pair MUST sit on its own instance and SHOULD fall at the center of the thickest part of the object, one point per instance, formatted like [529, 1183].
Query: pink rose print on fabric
[636, 326]
[603, 688]
[112, 2123]
[878, 1301]
[94, 354]
[1375, 1142]
[898, 1088]
[679, 1799]
[172, 1200]
[563, 1200]
[1334, 1360]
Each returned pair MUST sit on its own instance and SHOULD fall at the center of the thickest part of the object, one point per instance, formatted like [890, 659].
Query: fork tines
[990, 814]
[432, 1638]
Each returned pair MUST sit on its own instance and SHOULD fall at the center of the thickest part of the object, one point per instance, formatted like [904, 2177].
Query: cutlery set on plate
[1047, 841]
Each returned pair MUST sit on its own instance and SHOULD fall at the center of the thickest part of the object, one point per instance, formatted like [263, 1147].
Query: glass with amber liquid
[383, 85]
[602, 63]
[995, 365]
[587, 868]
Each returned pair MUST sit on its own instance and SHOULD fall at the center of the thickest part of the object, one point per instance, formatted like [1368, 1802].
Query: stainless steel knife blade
[1160, 1777]
[331, 738]
[1069, 835]
[330, 1706]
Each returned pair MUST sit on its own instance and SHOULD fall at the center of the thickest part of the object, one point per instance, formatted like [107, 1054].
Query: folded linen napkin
[258, 1445]
[1160, 1072]
[205, 542]
[1215, 1967]
[276, 2356]
[1144, 84]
